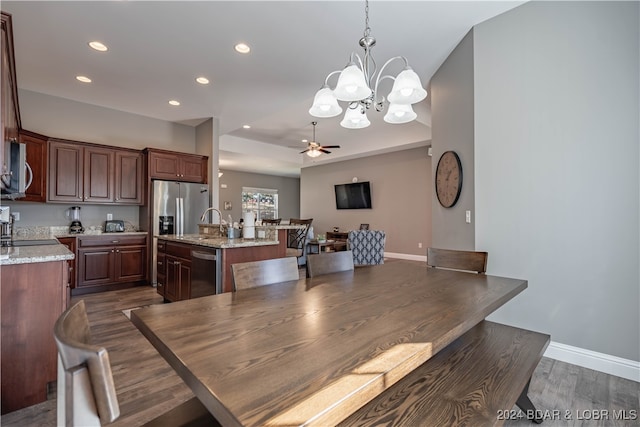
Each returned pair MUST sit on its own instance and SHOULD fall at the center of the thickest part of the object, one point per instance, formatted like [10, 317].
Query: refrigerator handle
[179, 213]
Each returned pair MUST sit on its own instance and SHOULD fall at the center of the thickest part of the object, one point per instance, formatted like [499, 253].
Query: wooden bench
[475, 381]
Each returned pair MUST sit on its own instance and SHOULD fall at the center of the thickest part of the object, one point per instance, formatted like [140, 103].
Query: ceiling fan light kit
[314, 149]
[355, 86]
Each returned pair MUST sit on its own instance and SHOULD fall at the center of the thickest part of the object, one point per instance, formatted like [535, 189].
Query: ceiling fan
[314, 149]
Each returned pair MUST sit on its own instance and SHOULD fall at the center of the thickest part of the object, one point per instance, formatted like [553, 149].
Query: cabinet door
[98, 175]
[172, 285]
[185, 280]
[193, 169]
[162, 273]
[128, 178]
[131, 263]
[70, 243]
[9, 93]
[164, 166]
[36, 146]
[95, 266]
[66, 166]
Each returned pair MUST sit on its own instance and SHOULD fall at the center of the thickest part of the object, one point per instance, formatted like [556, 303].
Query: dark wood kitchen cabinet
[174, 274]
[128, 177]
[9, 91]
[37, 155]
[99, 170]
[109, 262]
[70, 243]
[176, 166]
[90, 173]
[66, 172]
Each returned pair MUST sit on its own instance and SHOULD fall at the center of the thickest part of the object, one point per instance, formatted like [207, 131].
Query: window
[263, 202]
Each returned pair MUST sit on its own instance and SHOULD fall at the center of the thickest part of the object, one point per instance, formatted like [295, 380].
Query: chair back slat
[297, 238]
[271, 221]
[458, 260]
[72, 336]
[260, 273]
[329, 262]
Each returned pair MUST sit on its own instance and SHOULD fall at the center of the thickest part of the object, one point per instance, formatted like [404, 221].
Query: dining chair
[267, 272]
[297, 238]
[457, 260]
[329, 262]
[86, 391]
[367, 246]
[271, 221]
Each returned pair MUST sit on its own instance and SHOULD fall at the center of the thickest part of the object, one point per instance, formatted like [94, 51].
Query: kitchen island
[34, 294]
[176, 256]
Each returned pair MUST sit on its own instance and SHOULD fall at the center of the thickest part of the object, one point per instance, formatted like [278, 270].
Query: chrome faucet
[204, 215]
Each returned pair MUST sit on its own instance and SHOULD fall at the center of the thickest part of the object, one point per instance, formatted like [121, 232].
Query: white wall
[557, 161]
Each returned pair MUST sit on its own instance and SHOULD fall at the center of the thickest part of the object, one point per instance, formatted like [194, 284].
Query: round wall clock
[448, 179]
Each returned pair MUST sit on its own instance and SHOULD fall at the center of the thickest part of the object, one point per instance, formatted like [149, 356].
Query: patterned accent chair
[367, 246]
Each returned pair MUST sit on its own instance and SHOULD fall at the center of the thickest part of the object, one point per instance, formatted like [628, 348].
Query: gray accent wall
[231, 183]
[401, 188]
[557, 160]
[452, 129]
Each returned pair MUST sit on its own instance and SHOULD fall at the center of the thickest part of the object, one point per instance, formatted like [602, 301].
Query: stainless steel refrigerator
[176, 210]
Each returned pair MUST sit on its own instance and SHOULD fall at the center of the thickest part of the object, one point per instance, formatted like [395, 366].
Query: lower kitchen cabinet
[174, 274]
[110, 262]
[70, 243]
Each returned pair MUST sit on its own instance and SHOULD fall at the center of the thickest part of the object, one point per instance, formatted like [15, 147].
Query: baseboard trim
[409, 257]
[601, 362]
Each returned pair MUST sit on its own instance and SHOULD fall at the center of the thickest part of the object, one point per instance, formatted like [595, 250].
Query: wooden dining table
[313, 351]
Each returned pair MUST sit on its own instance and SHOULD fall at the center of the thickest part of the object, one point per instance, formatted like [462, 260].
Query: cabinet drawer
[162, 245]
[87, 242]
[179, 250]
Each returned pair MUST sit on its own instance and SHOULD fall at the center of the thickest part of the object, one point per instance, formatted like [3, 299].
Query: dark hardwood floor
[147, 386]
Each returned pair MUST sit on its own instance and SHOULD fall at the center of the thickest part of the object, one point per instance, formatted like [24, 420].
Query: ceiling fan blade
[330, 146]
[302, 152]
[324, 151]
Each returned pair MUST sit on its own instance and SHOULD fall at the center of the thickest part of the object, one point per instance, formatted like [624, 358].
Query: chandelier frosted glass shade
[313, 153]
[407, 88]
[352, 85]
[400, 113]
[355, 118]
[325, 104]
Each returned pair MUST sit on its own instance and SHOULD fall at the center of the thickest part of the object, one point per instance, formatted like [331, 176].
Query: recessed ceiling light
[246, 126]
[305, 140]
[203, 80]
[98, 46]
[242, 48]
[174, 102]
[83, 79]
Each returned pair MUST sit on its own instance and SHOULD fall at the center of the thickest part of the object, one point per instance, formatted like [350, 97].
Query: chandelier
[358, 85]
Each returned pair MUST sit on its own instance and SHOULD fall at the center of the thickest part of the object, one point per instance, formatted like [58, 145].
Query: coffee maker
[76, 226]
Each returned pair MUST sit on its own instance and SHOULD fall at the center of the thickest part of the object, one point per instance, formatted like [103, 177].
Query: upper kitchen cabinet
[66, 172]
[90, 173]
[129, 177]
[173, 166]
[9, 96]
[37, 155]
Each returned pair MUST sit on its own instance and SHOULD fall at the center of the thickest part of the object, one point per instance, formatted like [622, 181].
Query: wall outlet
[16, 216]
[467, 217]
[420, 245]
[109, 217]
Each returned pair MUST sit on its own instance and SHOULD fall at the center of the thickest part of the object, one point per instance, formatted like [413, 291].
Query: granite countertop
[100, 233]
[33, 254]
[217, 242]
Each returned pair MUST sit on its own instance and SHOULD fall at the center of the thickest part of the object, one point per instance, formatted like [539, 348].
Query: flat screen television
[353, 196]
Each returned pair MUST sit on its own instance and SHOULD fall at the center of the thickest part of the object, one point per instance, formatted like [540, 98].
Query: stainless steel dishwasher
[204, 271]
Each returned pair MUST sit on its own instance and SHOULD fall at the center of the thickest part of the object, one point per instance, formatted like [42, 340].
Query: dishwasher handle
[203, 255]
